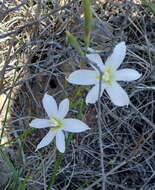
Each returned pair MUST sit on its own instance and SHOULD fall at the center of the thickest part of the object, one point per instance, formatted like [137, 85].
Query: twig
[100, 133]
[143, 117]
[16, 7]
[7, 61]
[100, 126]
[37, 21]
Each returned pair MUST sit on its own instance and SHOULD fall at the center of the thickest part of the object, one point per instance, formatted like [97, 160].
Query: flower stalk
[55, 169]
[74, 43]
[87, 21]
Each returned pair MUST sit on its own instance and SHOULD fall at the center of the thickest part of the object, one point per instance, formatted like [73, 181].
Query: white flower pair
[111, 75]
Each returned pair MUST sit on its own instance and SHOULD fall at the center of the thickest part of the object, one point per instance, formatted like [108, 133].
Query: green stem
[87, 21]
[59, 157]
[55, 169]
[7, 109]
[74, 43]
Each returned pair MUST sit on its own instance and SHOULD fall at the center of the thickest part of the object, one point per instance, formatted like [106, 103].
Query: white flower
[109, 79]
[57, 123]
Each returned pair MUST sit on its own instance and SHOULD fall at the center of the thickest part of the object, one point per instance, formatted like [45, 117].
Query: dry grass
[35, 58]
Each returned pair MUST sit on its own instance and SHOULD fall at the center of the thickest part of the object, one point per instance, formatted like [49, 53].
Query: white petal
[91, 50]
[74, 126]
[95, 59]
[60, 141]
[126, 75]
[63, 108]
[40, 123]
[92, 96]
[117, 95]
[50, 105]
[46, 140]
[117, 57]
[82, 77]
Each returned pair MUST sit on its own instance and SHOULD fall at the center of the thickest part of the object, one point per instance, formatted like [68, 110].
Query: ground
[36, 58]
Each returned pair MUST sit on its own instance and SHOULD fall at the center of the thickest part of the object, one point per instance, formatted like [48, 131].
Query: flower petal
[126, 75]
[46, 140]
[40, 123]
[92, 96]
[95, 59]
[91, 50]
[63, 108]
[117, 57]
[50, 105]
[82, 77]
[117, 95]
[60, 141]
[74, 126]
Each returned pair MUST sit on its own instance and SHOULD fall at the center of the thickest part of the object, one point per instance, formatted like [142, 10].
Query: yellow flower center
[56, 123]
[106, 78]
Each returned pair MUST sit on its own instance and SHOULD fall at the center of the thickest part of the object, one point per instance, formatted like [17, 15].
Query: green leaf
[150, 4]
[74, 43]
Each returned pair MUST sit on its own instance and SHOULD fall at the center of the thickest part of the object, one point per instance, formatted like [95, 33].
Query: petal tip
[45, 95]
[139, 75]
[37, 149]
[31, 124]
[87, 102]
[61, 151]
[67, 78]
[90, 102]
[66, 100]
[122, 42]
[121, 45]
[88, 128]
[70, 78]
[124, 103]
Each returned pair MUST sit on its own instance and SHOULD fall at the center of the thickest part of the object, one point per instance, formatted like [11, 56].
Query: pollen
[56, 123]
[106, 78]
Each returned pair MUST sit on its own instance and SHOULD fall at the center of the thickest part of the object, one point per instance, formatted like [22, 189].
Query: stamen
[106, 78]
[56, 123]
